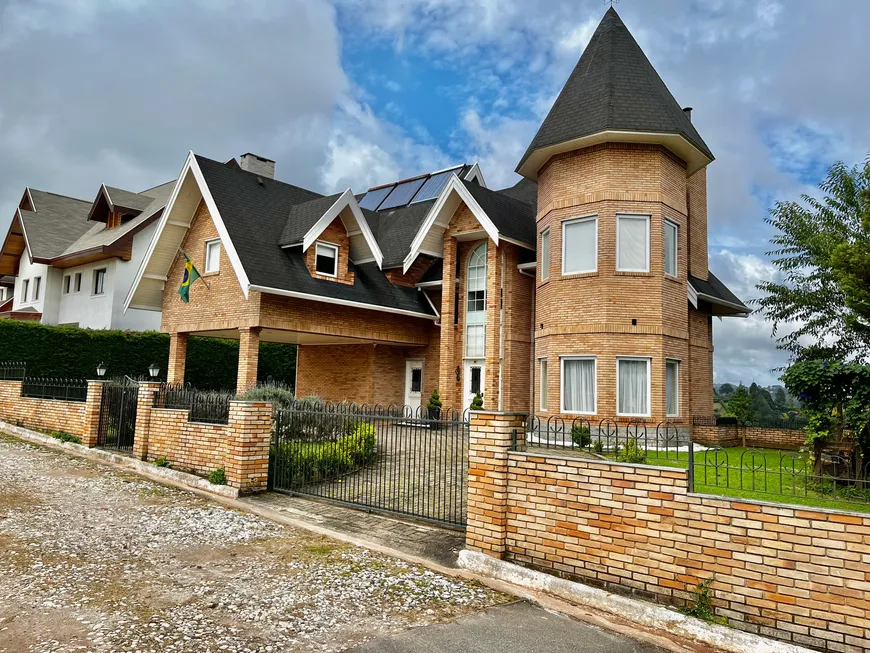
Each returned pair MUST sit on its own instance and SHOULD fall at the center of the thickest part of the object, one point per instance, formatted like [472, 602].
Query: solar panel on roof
[373, 198]
[403, 194]
[434, 185]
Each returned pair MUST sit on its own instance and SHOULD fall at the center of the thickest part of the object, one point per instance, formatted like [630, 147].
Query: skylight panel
[403, 194]
[373, 198]
[434, 185]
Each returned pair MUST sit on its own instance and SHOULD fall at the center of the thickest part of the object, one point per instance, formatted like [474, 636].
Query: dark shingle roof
[395, 229]
[304, 216]
[613, 87]
[435, 272]
[525, 190]
[56, 224]
[125, 199]
[513, 218]
[255, 211]
[712, 287]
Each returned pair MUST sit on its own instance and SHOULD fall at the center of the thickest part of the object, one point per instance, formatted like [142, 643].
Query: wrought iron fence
[634, 441]
[12, 371]
[781, 476]
[209, 407]
[388, 458]
[398, 411]
[61, 389]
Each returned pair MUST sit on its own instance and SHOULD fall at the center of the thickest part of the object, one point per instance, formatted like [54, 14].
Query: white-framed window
[545, 254]
[67, 284]
[37, 288]
[77, 282]
[326, 259]
[100, 281]
[672, 388]
[543, 394]
[25, 287]
[475, 304]
[632, 243]
[672, 235]
[579, 384]
[213, 256]
[580, 245]
[632, 386]
[2, 293]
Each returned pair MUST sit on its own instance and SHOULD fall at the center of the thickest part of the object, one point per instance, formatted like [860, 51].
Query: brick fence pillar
[249, 357]
[144, 404]
[247, 458]
[91, 423]
[490, 439]
[447, 360]
[177, 357]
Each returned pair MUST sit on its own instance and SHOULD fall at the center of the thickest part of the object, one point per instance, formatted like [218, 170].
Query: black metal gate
[118, 415]
[389, 460]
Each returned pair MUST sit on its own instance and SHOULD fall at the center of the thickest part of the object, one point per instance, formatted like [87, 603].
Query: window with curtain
[632, 243]
[632, 387]
[545, 254]
[475, 306]
[580, 246]
[326, 259]
[543, 384]
[672, 388]
[578, 385]
[671, 241]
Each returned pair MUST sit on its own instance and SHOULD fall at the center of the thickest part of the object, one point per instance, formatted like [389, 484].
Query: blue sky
[361, 92]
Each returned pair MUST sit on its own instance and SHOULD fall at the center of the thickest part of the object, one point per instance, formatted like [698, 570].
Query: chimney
[688, 112]
[258, 165]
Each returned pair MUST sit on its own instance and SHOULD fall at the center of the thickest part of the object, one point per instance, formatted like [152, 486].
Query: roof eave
[694, 156]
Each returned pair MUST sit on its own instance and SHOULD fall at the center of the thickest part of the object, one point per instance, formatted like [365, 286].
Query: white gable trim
[347, 199]
[476, 173]
[453, 186]
[29, 198]
[24, 232]
[192, 167]
[693, 296]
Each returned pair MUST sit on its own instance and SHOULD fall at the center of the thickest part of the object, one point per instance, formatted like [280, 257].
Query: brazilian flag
[191, 274]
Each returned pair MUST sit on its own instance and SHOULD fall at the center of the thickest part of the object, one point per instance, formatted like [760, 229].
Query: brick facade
[754, 436]
[790, 573]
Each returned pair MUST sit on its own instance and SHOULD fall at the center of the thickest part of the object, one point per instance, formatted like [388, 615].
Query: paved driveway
[99, 560]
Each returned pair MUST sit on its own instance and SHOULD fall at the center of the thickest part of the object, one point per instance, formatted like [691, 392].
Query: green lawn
[764, 475]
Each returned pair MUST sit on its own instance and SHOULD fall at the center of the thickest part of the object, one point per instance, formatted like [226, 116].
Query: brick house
[73, 261]
[582, 290]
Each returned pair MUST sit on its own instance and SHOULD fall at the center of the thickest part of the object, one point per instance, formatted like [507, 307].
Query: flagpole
[187, 257]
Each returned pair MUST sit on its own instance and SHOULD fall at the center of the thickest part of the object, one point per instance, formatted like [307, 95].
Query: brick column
[493, 330]
[247, 458]
[145, 402]
[177, 357]
[447, 359]
[92, 413]
[249, 356]
[490, 440]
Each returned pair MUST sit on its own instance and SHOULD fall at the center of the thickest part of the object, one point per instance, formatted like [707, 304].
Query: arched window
[475, 307]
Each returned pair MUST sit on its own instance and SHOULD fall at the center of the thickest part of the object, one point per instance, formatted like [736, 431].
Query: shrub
[580, 435]
[218, 477]
[63, 436]
[313, 461]
[162, 462]
[633, 453]
[279, 394]
[702, 602]
[598, 447]
[477, 402]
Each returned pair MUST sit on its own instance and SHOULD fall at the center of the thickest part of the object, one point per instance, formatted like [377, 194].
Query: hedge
[71, 352]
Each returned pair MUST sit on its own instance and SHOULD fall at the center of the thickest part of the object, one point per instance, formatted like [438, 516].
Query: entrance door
[473, 381]
[413, 384]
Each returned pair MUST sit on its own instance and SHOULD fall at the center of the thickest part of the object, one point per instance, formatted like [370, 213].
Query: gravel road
[100, 560]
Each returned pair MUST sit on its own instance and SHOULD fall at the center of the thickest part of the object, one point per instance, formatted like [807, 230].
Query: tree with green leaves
[726, 390]
[739, 405]
[822, 250]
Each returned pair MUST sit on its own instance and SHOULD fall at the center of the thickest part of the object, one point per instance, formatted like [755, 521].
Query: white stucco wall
[29, 271]
[133, 319]
[84, 308]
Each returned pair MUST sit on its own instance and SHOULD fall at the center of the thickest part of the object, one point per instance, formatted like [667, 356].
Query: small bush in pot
[433, 406]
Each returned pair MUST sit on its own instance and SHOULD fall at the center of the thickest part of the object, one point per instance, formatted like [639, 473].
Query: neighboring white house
[74, 261]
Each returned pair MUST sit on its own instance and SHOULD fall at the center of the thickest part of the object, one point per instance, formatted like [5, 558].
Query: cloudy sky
[359, 92]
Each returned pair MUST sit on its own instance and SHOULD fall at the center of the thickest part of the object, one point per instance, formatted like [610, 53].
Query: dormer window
[113, 220]
[326, 260]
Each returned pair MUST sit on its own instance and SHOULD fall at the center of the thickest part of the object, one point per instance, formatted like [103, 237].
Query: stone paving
[100, 560]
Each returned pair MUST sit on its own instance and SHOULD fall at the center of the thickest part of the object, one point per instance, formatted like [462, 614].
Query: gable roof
[395, 229]
[302, 217]
[125, 199]
[525, 190]
[613, 88]
[515, 220]
[55, 225]
[714, 291]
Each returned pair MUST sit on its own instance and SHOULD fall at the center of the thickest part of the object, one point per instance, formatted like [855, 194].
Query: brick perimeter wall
[756, 436]
[46, 414]
[189, 447]
[794, 574]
